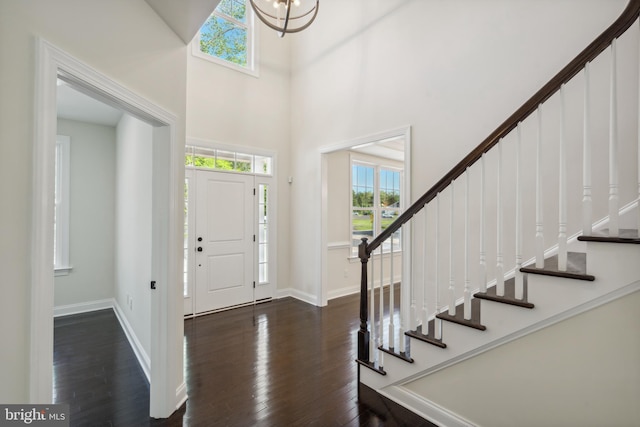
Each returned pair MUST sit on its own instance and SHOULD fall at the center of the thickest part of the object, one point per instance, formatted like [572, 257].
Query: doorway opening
[383, 158]
[167, 391]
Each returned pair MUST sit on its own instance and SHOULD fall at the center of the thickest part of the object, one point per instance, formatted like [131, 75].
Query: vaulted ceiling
[184, 17]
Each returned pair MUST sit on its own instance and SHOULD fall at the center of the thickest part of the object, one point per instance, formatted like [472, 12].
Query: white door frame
[168, 389]
[405, 133]
[262, 292]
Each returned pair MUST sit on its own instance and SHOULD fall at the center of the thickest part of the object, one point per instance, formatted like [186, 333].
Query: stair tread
[625, 235]
[372, 366]
[459, 316]
[576, 267]
[509, 296]
[399, 354]
[429, 337]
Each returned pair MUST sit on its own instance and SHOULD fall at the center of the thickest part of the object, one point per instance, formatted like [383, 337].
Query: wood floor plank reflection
[281, 363]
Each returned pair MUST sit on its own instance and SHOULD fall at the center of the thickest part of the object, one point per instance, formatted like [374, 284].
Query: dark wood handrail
[624, 21]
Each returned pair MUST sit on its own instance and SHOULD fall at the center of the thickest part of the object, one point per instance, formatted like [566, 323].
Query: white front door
[224, 240]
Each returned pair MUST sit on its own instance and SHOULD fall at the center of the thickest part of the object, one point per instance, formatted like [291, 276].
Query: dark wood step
[576, 267]
[459, 316]
[372, 366]
[400, 354]
[429, 337]
[509, 294]
[624, 236]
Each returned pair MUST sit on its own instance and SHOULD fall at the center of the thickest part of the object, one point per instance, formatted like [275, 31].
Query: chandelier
[286, 16]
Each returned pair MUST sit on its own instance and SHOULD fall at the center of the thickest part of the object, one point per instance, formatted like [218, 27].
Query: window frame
[191, 150]
[377, 164]
[252, 67]
[61, 261]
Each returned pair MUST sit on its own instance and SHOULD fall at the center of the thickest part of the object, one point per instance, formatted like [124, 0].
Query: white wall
[230, 107]
[591, 379]
[91, 233]
[133, 225]
[369, 66]
[123, 39]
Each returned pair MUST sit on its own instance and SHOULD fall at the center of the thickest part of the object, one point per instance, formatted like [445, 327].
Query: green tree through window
[225, 34]
[375, 203]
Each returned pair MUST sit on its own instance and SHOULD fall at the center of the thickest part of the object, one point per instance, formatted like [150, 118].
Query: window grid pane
[363, 190]
[227, 34]
[235, 9]
[208, 158]
[263, 227]
[186, 239]
[244, 162]
[375, 203]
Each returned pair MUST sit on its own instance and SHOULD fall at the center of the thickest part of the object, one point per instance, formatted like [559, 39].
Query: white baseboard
[350, 290]
[181, 395]
[83, 307]
[138, 350]
[343, 292]
[297, 294]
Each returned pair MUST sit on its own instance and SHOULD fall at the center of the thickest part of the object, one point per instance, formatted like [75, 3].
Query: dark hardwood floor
[281, 363]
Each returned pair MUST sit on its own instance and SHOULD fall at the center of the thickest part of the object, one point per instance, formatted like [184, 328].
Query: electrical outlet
[346, 273]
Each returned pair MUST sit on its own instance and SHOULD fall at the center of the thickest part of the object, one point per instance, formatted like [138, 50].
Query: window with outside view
[375, 203]
[227, 36]
[223, 160]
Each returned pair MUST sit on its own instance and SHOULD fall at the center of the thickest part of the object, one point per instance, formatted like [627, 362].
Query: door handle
[199, 249]
[199, 239]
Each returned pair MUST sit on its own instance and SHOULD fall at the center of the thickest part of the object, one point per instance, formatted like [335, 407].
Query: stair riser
[607, 260]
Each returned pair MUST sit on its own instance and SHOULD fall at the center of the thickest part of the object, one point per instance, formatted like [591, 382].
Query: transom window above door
[225, 160]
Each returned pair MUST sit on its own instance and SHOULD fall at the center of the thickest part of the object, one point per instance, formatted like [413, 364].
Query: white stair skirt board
[425, 408]
[83, 307]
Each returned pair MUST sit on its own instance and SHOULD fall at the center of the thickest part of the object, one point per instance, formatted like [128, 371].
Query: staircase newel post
[363, 333]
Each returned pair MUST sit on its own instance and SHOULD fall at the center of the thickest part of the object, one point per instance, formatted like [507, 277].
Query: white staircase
[537, 226]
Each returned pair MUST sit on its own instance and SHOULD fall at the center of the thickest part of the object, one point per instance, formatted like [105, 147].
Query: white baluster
[562, 190]
[373, 350]
[392, 325]
[638, 201]
[467, 282]
[539, 216]
[587, 204]
[425, 296]
[413, 315]
[613, 147]
[381, 303]
[403, 302]
[483, 252]
[438, 322]
[519, 282]
[452, 282]
[499, 227]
